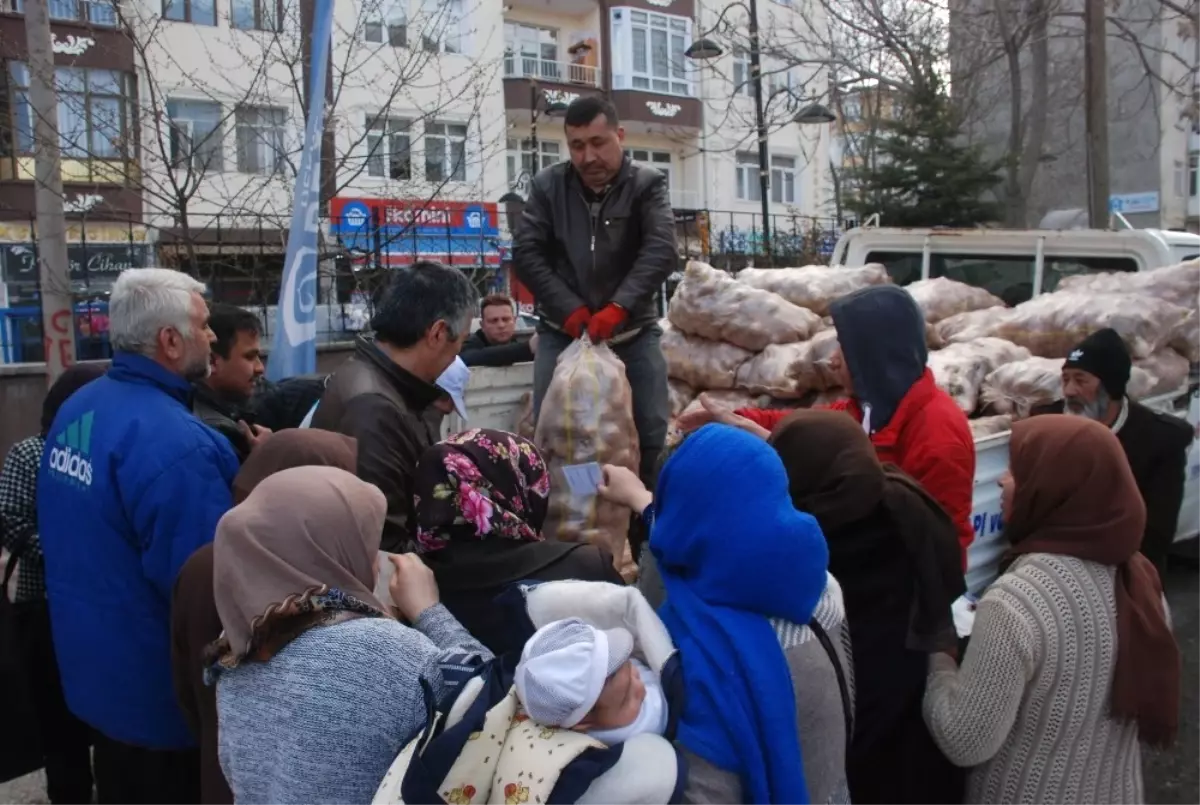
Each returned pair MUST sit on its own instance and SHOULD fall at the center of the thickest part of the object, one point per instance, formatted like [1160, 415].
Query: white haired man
[130, 484]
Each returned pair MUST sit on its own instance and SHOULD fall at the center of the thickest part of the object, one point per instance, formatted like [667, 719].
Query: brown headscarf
[1075, 495]
[294, 447]
[835, 475]
[304, 540]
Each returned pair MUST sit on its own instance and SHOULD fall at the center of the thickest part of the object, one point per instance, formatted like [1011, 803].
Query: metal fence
[241, 260]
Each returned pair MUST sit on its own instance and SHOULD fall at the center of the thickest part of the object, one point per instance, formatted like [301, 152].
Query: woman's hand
[412, 586]
[623, 487]
[711, 411]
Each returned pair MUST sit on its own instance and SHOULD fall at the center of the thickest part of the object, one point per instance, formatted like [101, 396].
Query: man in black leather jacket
[595, 245]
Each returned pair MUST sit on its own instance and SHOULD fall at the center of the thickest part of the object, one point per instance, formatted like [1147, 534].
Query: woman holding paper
[480, 499]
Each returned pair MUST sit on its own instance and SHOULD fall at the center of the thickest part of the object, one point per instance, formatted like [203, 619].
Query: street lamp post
[539, 104]
[704, 48]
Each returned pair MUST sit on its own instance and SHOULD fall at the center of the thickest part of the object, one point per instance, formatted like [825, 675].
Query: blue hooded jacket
[130, 484]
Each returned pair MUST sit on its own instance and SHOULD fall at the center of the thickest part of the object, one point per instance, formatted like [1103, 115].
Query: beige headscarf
[301, 534]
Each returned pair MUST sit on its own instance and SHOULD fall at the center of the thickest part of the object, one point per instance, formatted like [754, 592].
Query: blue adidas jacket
[129, 486]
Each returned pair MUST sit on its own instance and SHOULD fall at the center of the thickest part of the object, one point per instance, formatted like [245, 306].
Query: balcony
[559, 81]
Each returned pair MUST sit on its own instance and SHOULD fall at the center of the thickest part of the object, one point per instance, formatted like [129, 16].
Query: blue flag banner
[294, 348]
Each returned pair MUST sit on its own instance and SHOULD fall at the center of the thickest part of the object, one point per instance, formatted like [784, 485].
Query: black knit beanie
[1104, 355]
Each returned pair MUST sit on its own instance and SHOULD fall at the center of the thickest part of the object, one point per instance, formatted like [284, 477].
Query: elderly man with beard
[130, 484]
[1094, 377]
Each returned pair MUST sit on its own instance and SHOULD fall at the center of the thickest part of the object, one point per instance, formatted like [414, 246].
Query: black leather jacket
[571, 253]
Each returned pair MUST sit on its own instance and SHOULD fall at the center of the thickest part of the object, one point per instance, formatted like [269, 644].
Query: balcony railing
[97, 12]
[518, 66]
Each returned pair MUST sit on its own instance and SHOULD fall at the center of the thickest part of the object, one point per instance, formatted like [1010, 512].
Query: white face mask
[652, 717]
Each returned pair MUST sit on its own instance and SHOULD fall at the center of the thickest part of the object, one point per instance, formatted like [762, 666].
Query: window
[1193, 175]
[197, 12]
[531, 51]
[445, 152]
[551, 154]
[658, 159]
[783, 180]
[781, 82]
[748, 184]
[648, 51]
[443, 26]
[196, 135]
[97, 12]
[95, 112]
[389, 152]
[851, 108]
[742, 84]
[387, 23]
[256, 15]
[260, 139]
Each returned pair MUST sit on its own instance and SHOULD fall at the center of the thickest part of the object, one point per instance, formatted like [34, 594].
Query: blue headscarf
[733, 552]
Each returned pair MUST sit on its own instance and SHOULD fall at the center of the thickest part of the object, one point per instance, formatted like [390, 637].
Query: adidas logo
[72, 446]
[1075, 355]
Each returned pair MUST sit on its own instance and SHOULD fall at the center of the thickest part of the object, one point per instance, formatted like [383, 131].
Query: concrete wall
[23, 386]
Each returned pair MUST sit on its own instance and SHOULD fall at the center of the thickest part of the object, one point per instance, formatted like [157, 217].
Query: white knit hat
[564, 667]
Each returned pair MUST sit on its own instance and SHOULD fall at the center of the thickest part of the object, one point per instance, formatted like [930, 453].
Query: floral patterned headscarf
[480, 484]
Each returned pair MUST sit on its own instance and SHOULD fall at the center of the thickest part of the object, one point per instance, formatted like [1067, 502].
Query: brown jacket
[373, 400]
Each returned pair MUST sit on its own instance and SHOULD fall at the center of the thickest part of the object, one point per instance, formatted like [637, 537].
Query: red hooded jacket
[928, 438]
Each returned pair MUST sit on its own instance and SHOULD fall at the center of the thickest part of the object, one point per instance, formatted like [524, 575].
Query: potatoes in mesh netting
[814, 287]
[961, 368]
[1166, 371]
[789, 371]
[1178, 284]
[702, 363]
[1018, 387]
[710, 304]
[971, 325]
[940, 298]
[587, 416]
[1186, 340]
[1053, 324]
[986, 426]
[523, 422]
[730, 399]
[679, 394]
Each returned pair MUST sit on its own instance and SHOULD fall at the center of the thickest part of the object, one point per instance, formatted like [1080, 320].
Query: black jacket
[571, 253]
[1156, 445]
[285, 404]
[221, 417]
[478, 351]
[382, 406]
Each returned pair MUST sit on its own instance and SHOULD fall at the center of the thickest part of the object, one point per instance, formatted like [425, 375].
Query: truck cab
[1015, 265]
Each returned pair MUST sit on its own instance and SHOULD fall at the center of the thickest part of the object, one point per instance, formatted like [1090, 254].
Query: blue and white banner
[294, 348]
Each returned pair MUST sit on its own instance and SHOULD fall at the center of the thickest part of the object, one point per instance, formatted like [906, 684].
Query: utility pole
[1095, 83]
[760, 128]
[54, 272]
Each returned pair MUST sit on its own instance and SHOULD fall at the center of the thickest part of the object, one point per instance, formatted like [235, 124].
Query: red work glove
[602, 325]
[577, 321]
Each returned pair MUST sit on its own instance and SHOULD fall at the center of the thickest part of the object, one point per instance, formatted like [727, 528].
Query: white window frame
[443, 26]
[626, 22]
[660, 160]
[522, 155]
[205, 151]
[520, 63]
[386, 23]
[95, 121]
[747, 175]
[742, 83]
[94, 12]
[1193, 174]
[784, 175]
[449, 133]
[384, 153]
[267, 14]
[266, 155]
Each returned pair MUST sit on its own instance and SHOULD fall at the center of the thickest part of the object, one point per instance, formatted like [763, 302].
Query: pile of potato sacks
[765, 337]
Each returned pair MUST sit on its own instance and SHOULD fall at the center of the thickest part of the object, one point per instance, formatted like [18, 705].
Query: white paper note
[583, 479]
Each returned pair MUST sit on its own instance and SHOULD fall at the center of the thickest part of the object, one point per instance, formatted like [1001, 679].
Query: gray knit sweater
[1029, 709]
[323, 719]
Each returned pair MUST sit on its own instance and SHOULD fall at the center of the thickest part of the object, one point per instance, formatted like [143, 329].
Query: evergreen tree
[923, 173]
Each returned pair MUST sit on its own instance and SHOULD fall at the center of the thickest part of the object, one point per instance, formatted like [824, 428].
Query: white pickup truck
[1014, 265]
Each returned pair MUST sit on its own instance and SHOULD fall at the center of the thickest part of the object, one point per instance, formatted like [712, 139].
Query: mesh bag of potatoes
[587, 416]
[1178, 284]
[814, 287]
[523, 421]
[970, 325]
[701, 363]
[986, 426]
[1017, 388]
[679, 394]
[940, 298]
[789, 371]
[1166, 371]
[710, 304]
[1186, 340]
[1053, 324]
[960, 369]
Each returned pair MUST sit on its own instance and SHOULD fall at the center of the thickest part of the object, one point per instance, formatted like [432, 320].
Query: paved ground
[1171, 777]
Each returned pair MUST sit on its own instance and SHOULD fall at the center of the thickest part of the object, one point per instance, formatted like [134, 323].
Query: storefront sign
[401, 232]
[90, 263]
